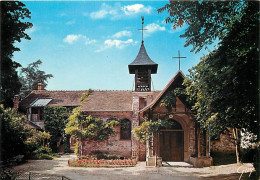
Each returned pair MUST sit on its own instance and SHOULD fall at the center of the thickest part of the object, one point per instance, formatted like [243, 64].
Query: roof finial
[142, 29]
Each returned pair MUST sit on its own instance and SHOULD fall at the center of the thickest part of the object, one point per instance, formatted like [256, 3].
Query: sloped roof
[172, 81]
[59, 98]
[109, 101]
[142, 59]
[40, 102]
[98, 100]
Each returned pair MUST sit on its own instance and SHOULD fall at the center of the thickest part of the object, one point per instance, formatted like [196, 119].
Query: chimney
[16, 101]
[40, 86]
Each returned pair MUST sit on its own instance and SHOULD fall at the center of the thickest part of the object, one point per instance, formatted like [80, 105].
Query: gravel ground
[171, 170]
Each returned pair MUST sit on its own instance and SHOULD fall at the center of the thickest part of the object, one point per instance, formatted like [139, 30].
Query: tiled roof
[109, 101]
[98, 100]
[59, 98]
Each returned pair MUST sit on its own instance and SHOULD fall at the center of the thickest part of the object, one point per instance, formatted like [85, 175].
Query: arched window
[125, 129]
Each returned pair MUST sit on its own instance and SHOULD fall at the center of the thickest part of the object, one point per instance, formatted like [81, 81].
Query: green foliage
[169, 101]
[84, 127]
[43, 156]
[43, 136]
[13, 26]
[223, 86]
[252, 155]
[99, 155]
[85, 96]
[43, 150]
[76, 150]
[30, 76]
[206, 20]
[148, 128]
[37, 143]
[55, 120]
[223, 158]
[13, 134]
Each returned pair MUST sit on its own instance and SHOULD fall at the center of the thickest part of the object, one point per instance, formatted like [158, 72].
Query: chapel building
[183, 141]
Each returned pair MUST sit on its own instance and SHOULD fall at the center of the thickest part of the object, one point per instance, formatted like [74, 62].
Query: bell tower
[142, 67]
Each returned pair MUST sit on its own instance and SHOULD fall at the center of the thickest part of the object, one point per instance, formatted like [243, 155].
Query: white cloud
[70, 22]
[117, 11]
[122, 34]
[105, 10]
[119, 44]
[154, 27]
[89, 41]
[71, 38]
[136, 8]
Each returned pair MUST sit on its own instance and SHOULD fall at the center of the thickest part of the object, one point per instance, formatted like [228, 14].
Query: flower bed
[102, 163]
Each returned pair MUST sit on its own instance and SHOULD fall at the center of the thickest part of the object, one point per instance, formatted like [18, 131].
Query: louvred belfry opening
[142, 67]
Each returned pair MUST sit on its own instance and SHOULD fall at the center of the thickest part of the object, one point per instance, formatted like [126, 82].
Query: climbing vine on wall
[148, 128]
[55, 120]
[83, 127]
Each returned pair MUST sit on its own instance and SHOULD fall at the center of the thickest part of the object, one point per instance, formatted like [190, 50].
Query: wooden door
[171, 145]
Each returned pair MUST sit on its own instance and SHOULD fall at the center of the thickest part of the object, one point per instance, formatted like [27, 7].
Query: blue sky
[89, 44]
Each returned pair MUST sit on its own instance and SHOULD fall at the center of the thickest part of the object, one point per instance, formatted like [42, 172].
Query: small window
[125, 129]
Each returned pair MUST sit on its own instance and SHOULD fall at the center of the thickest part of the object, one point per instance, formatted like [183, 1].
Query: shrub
[223, 158]
[43, 156]
[13, 134]
[7, 174]
[43, 150]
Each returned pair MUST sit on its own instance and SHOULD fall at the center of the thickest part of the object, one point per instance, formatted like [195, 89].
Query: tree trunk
[81, 148]
[237, 144]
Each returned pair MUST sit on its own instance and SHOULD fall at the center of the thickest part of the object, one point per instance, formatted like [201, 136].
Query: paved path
[170, 170]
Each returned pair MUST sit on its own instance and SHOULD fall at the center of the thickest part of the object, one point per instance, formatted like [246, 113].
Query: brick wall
[113, 145]
[225, 143]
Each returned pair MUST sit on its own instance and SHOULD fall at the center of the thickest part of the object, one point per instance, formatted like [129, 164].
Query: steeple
[142, 67]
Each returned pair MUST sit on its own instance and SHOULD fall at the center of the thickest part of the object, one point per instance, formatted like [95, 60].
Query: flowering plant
[101, 163]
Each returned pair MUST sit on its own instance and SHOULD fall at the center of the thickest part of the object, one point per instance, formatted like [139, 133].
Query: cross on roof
[142, 29]
[179, 59]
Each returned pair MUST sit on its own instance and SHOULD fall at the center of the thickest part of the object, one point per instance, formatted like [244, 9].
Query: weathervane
[142, 29]
[179, 59]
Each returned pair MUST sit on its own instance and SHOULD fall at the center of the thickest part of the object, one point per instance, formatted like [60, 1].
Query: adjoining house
[184, 141]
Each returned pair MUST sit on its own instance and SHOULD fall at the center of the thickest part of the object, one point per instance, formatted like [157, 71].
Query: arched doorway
[171, 142]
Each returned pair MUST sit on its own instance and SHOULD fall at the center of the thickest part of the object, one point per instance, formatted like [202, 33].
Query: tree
[31, 76]
[55, 120]
[206, 20]
[85, 128]
[12, 30]
[223, 87]
[13, 134]
[43, 137]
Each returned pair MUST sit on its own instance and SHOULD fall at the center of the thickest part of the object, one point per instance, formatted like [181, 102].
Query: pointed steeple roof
[142, 59]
